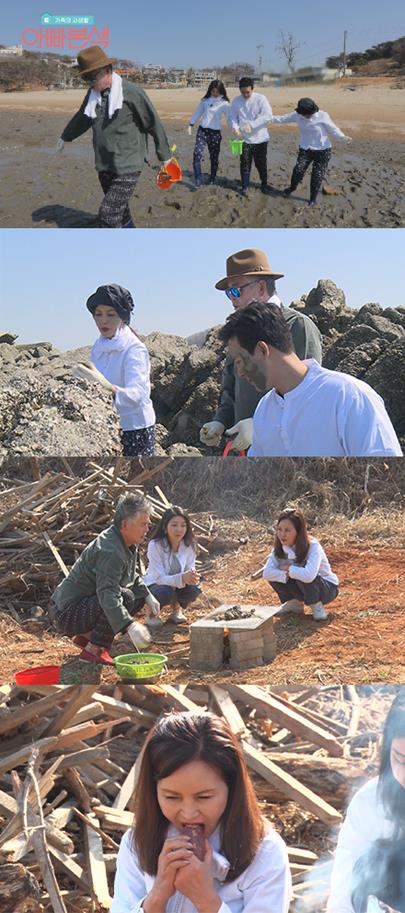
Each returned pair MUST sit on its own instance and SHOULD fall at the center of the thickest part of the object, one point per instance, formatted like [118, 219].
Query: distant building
[15, 50]
[314, 74]
[152, 69]
[201, 78]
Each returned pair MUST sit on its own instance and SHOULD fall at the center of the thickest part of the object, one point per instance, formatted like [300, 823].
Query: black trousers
[257, 153]
[114, 211]
[319, 590]
[320, 159]
[87, 615]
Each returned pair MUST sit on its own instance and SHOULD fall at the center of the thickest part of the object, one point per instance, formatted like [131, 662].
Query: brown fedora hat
[93, 59]
[247, 263]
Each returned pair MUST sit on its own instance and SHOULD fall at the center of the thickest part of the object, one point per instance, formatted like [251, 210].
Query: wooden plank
[10, 761]
[128, 786]
[290, 717]
[113, 818]
[178, 700]
[78, 696]
[113, 708]
[296, 854]
[47, 539]
[95, 864]
[289, 786]
[225, 706]
[33, 710]
[85, 756]
[69, 867]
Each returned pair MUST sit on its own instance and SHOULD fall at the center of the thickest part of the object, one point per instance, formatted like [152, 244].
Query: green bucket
[236, 146]
[140, 665]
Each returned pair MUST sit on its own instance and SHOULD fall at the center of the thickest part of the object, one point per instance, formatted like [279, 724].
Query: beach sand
[42, 189]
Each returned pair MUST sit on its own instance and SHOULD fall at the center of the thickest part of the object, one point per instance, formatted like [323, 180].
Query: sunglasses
[91, 77]
[235, 292]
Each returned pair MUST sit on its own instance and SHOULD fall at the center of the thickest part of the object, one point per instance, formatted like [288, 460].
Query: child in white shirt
[298, 569]
[120, 363]
[171, 575]
[213, 106]
[193, 772]
[315, 128]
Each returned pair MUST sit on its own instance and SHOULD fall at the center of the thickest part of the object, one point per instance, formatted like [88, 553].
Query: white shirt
[124, 361]
[159, 556]
[264, 887]
[327, 414]
[210, 111]
[316, 564]
[365, 822]
[314, 130]
[254, 111]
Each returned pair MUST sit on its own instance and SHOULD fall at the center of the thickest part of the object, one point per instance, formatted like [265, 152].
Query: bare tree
[288, 47]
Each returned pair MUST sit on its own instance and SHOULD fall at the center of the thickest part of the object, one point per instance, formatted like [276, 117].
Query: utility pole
[259, 48]
[345, 34]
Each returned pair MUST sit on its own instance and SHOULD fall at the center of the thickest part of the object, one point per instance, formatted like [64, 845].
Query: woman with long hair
[298, 568]
[193, 781]
[213, 106]
[171, 575]
[376, 813]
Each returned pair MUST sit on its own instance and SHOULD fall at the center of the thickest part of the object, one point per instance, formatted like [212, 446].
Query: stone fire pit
[242, 636]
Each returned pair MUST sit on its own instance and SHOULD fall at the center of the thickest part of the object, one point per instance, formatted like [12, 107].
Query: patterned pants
[118, 189]
[212, 139]
[257, 153]
[87, 615]
[320, 159]
[138, 443]
[168, 595]
[319, 590]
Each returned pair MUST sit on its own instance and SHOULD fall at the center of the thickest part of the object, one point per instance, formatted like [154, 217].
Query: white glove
[244, 434]
[60, 145]
[90, 372]
[211, 433]
[246, 128]
[153, 604]
[138, 634]
[236, 130]
[348, 139]
[189, 129]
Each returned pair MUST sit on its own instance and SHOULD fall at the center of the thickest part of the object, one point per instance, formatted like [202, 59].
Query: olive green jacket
[121, 144]
[105, 565]
[239, 398]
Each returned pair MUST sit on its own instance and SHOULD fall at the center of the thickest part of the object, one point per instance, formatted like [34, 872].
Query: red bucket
[38, 675]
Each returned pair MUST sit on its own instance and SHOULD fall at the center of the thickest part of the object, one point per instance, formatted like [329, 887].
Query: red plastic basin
[38, 675]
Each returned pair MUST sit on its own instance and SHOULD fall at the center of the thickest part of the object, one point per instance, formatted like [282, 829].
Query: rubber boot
[245, 183]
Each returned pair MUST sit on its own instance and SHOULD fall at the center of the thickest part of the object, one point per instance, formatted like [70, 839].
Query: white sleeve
[364, 426]
[136, 378]
[272, 571]
[267, 885]
[284, 118]
[311, 569]
[129, 887]
[199, 111]
[234, 114]
[265, 115]
[331, 128]
[354, 840]
[156, 572]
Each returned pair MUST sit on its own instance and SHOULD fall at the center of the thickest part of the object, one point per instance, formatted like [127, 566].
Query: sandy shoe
[319, 612]
[292, 607]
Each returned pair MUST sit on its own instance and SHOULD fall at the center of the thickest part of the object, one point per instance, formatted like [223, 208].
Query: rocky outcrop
[44, 410]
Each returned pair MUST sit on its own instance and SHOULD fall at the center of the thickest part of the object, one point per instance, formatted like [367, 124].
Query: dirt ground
[43, 190]
[362, 641]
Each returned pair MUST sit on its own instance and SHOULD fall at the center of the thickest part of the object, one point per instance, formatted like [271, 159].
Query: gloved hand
[246, 128]
[60, 145]
[90, 372]
[211, 433]
[236, 130]
[153, 604]
[244, 434]
[138, 634]
[348, 139]
[189, 129]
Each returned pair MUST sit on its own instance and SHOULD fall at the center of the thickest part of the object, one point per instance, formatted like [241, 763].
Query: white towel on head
[115, 99]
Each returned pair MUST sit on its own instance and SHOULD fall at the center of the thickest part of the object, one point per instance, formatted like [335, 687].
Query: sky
[47, 276]
[214, 33]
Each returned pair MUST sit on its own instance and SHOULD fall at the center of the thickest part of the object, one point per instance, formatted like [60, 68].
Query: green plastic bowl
[236, 146]
[140, 665]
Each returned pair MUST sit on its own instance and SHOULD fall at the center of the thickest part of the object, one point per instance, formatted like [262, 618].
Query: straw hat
[93, 59]
[247, 263]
